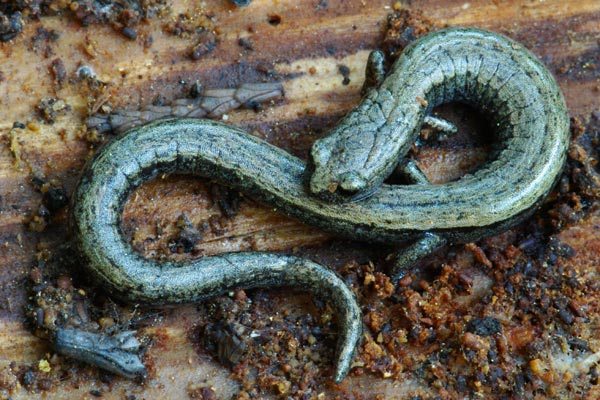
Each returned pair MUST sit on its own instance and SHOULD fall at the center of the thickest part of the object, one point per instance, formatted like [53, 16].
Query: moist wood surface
[303, 45]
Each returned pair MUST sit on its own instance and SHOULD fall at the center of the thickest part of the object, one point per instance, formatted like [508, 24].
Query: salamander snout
[338, 189]
[351, 183]
[327, 181]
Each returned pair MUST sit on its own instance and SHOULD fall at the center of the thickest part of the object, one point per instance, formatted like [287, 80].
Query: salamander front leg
[409, 171]
[440, 125]
[406, 259]
[442, 128]
[428, 242]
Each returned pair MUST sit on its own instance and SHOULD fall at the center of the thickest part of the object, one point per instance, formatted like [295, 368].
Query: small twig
[211, 103]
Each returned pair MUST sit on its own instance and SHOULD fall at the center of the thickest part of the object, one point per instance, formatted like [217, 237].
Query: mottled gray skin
[487, 70]
[212, 149]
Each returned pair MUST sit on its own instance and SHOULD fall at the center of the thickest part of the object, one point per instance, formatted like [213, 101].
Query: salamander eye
[320, 153]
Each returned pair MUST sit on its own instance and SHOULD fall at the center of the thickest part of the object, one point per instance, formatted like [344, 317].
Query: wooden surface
[305, 49]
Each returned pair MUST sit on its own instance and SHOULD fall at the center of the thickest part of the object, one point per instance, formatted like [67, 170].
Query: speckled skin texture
[487, 70]
[198, 147]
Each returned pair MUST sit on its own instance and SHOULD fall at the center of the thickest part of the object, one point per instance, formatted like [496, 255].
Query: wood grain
[305, 49]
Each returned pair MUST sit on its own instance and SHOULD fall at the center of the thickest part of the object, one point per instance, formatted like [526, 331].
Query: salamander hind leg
[375, 71]
[421, 248]
[408, 170]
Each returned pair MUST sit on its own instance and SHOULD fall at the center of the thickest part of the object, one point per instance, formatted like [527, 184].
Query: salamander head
[332, 179]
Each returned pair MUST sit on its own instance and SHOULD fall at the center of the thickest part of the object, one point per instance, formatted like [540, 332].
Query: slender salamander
[493, 73]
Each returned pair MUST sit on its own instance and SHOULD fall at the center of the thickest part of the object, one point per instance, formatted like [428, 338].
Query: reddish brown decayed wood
[303, 46]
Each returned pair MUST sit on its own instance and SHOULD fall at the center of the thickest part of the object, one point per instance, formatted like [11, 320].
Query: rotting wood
[311, 43]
